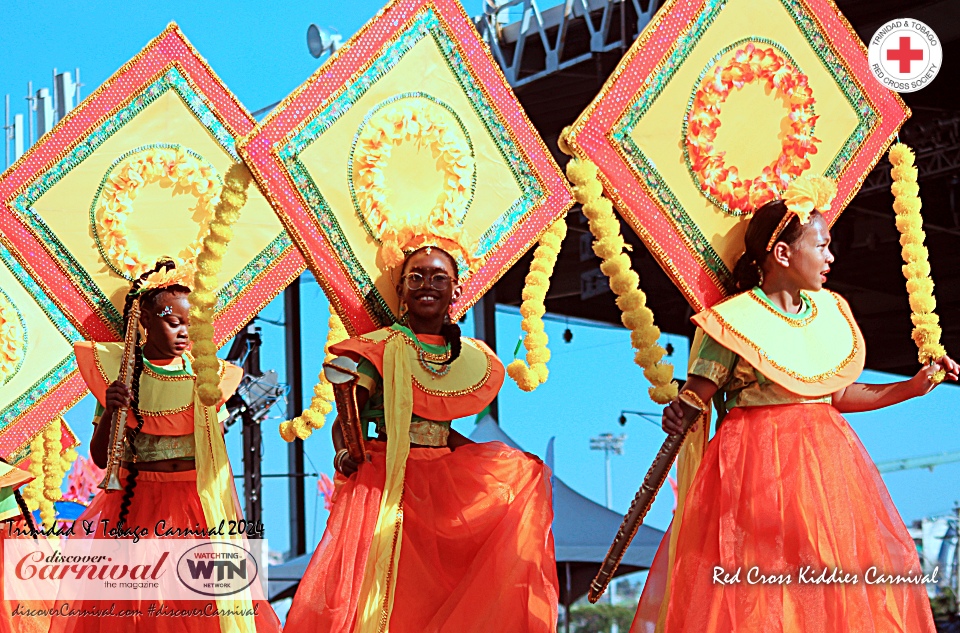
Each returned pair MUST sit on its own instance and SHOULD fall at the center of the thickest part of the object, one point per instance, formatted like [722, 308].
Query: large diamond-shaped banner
[131, 174]
[418, 76]
[38, 372]
[715, 109]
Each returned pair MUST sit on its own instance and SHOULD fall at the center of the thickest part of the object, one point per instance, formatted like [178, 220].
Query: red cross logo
[905, 55]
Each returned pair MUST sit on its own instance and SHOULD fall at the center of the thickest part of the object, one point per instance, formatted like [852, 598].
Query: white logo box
[122, 569]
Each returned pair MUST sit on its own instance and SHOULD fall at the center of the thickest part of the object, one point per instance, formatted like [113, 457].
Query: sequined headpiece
[803, 196]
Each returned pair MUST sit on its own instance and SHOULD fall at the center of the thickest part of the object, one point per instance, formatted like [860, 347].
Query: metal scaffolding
[545, 41]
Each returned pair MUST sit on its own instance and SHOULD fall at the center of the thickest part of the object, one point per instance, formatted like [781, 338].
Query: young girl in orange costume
[162, 476]
[785, 494]
[434, 532]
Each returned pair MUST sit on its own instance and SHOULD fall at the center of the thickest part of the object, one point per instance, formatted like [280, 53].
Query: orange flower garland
[722, 183]
[12, 339]
[169, 166]
[423, 122]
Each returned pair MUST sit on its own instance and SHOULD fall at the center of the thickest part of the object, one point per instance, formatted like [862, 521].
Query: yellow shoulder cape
[814, 356]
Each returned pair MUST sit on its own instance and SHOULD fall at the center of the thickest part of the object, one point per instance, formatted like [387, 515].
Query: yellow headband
[181, 275]
[802, 197]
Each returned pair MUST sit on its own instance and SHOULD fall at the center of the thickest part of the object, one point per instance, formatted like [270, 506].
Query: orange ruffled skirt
[173, 498]
[20, 616]
[788, 491]
[477, 552]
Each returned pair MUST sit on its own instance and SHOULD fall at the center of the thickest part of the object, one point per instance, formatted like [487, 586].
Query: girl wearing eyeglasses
[433, 532]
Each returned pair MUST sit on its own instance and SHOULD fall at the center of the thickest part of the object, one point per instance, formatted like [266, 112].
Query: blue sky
[261, 54]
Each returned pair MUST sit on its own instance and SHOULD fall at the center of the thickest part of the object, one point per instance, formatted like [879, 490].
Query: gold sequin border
[792, 322]
[440, 392]
[855, 350]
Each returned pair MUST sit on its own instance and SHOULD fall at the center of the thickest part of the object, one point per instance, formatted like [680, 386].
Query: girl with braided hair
[162, 479]
[433, 532]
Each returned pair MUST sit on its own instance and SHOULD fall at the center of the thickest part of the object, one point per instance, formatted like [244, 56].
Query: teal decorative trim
[424, 25]
[94, 225]
[623, 128]
[64, 368]
[338, 241]
[23, 204]
[249, 273]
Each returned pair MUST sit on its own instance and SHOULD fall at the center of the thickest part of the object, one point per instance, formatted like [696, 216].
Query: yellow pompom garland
[926, 330]
[33, 491]
[52, 472]
[203, 299]
[314, 416]
[529, 377]
[624, 282]
[48, 465]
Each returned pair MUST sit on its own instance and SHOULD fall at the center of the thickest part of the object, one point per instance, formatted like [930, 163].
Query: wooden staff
[644, 499]
[118, 423]
[342, 374]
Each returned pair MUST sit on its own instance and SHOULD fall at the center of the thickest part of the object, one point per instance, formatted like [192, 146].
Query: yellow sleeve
[711, 360]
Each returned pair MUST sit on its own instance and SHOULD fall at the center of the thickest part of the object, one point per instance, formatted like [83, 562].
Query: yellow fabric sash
[688, 462]
[380, 576]
[215, 488]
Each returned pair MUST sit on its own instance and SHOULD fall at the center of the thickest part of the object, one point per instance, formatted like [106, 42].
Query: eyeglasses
[439, 281]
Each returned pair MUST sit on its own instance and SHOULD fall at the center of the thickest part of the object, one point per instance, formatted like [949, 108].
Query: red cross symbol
[905, 55]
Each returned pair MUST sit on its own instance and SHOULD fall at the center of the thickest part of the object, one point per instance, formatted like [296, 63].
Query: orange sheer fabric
[782, 489]
[477, 553]
[24, 621]
[173, 498]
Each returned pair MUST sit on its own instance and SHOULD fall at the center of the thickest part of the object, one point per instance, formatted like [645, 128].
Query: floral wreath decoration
[168, 165]
[13, 338]
[413, 117]
[723, 184]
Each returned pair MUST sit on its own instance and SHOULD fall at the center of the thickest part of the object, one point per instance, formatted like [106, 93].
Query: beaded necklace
[435, 364]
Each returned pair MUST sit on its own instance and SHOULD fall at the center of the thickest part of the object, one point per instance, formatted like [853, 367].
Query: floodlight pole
[295, 460]
[252, 436]
[245, 351]
[608, 443]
